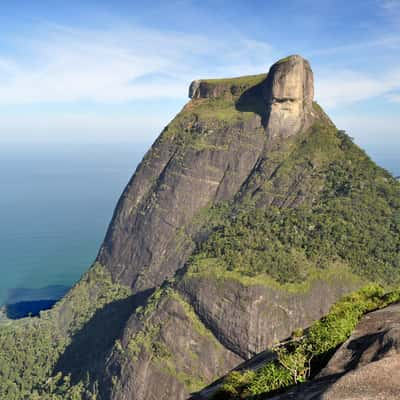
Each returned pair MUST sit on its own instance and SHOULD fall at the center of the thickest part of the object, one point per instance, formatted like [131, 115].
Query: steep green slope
[353, 220]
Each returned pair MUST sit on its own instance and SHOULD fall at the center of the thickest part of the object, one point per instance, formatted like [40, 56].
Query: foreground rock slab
[366, 367]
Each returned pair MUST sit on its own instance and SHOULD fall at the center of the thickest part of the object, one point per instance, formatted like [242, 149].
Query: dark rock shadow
[359, 345]
[252, 100]
[24, 309]
[87, 353]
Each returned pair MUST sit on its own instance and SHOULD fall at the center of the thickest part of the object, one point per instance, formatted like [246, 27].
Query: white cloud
[369, 128]
[394, 97]
[391, 41]
[343, 87]
[73, 65]
[65, 66]
[391, 5]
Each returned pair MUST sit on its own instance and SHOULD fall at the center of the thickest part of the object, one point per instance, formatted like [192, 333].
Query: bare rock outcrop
[250, 318]
[288, 92]
[366, 366]
[148, 238]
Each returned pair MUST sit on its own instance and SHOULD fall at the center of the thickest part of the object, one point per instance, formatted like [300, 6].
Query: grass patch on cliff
[336, 274]
[200, 122]
[248, 80]
[293, 361]
[201, 117]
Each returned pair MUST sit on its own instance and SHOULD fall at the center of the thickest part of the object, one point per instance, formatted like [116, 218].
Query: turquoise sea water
[56, 201]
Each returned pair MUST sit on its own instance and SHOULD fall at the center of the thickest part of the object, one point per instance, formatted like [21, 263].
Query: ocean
[56, 201]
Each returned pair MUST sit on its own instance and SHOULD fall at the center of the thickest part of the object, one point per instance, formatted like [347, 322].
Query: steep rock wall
[198, 160]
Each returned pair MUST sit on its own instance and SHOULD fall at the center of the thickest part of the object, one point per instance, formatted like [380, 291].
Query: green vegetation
[31, 347]
[199, 120]
[29, 350]
[248, 80]
[192, 316]
[94, 290]
[296, 360]
[353, 219]
[282, 60]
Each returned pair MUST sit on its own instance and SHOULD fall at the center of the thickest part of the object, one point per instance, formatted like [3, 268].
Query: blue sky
[119, 71]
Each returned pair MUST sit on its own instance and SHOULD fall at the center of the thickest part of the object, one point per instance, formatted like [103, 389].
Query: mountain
[246, 220]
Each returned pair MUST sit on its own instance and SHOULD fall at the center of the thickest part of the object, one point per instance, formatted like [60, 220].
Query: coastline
[29, 302]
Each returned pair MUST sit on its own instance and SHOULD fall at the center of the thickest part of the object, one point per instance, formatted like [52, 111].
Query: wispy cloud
[391, 5]
[386, 42]
[395, 97]
[391, 11]
[86, 127]
[372, 130]
[118, 65]
[347, 86]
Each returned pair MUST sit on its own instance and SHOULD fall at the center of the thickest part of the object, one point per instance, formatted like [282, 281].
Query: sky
[83, 70]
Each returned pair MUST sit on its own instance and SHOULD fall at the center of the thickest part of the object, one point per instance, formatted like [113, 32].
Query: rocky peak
[289, 93]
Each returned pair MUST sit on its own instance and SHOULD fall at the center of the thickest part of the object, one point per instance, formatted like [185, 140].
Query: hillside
[246, 220]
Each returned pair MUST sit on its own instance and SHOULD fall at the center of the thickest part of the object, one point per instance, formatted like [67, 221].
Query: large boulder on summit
[289, 94]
